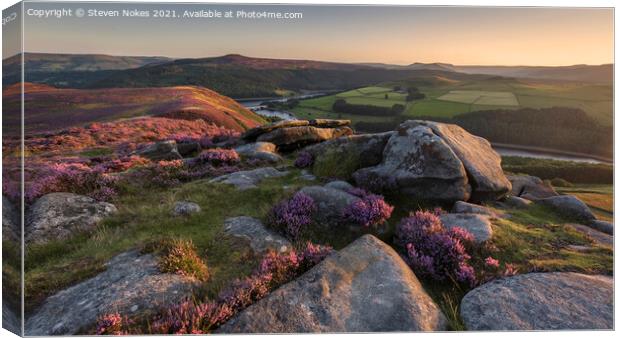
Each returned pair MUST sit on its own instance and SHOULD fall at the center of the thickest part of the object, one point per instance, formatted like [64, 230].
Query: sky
[395, 35]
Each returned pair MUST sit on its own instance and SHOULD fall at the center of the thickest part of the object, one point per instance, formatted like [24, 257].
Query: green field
[449, 98]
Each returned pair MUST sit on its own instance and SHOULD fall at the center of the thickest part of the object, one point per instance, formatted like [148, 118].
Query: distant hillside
[50, 108]
[47, 62]
[41, 66]
[580, 73]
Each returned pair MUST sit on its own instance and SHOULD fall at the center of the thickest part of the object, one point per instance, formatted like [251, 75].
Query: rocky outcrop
[161, 151]
[330, 203]
[421, 165]
[10, 221]
[249, 179]
[366, 287]
[297, 137]
[530, 187]
[541, 301]
[482, 163]
[60, 215]
[186, 149]
[569, 206]
[131, 285]
[185, 208]
[253, 133]
[293, 134]
[254, 232]
[264, 151]
[478, 225]
[348, 154]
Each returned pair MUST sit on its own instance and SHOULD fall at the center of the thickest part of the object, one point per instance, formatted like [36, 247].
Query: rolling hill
[48, 108]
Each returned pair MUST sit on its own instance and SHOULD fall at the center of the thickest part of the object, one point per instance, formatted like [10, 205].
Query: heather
[292, 216]
[369, 210]
[433, 251]
[203, 316]
[304, 159]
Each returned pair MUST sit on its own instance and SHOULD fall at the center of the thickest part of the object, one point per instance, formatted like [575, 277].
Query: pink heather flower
[369, 210]
[434, 252]
[491, 262]
[510, 270]
[219, 156]
[293, 215]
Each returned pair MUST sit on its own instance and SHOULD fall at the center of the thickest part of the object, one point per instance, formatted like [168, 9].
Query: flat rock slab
[295, 137]
[249, 179]
[517, 202]
[60, 215]
[10, 321]
[598, 237]
[252, 230]
[541, 301]
[569, 206]
[461, 207]
[131, 284]
[366, 287]
[478, 225]
[603, 226]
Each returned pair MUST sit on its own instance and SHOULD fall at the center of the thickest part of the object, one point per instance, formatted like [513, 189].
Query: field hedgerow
[293, 215]
[200, 317]
[180, 257]
[369, 210]
[434, 252]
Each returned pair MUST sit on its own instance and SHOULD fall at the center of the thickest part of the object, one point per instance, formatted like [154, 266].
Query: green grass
[144, 217]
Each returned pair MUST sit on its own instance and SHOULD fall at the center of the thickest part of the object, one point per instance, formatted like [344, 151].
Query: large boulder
[296, 137]
[256, 234]
[59, 215]
[330, 202]
[541, 301]
[11, 231]
[482, 163]
[131, 285]
[248, 179]
[530, 187]
[342, 156]
[569, 206]
[366, 287]
[420, 165]
[478, 225]
[161, 151]
[264, 151]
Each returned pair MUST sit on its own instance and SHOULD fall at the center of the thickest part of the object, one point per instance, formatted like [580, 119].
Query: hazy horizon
[397, 35]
